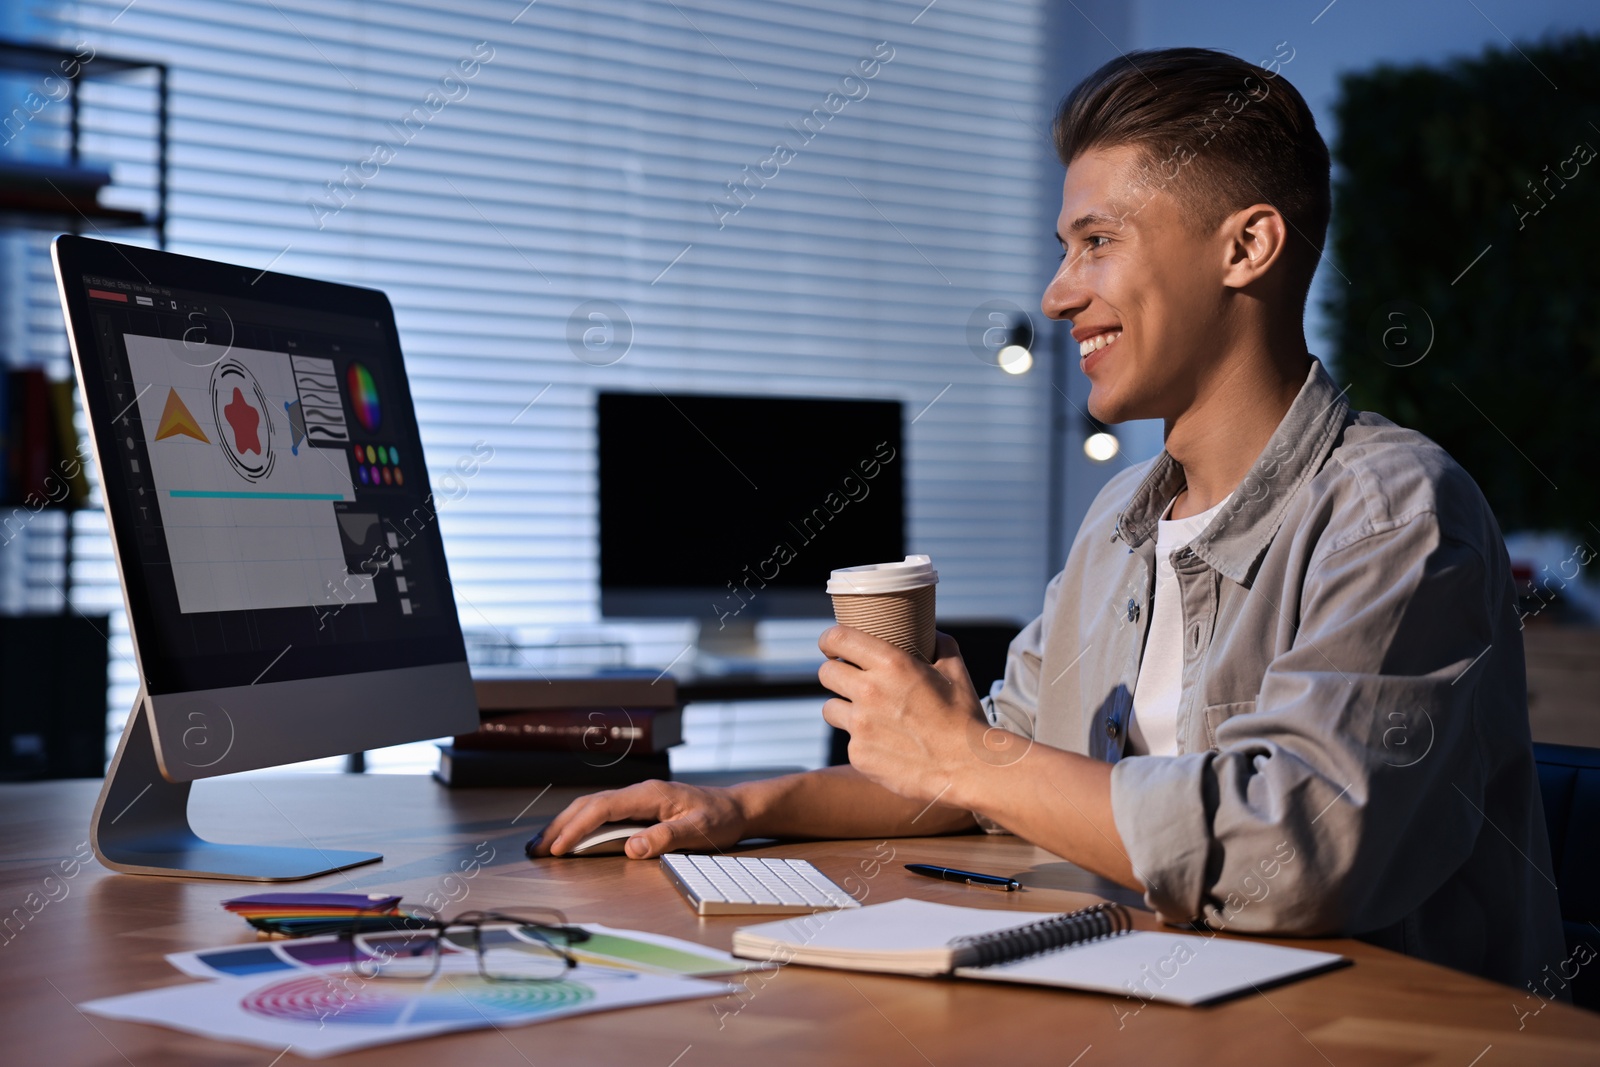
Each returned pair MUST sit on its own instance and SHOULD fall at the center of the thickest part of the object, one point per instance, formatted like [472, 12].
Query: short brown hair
[1224, 132]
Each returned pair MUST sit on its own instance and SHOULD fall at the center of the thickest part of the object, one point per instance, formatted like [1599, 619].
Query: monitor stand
[141, 825]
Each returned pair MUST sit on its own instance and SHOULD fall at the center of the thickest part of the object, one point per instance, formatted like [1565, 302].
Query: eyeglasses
[511, 946]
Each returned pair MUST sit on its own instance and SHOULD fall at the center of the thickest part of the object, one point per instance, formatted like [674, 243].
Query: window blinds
[776, 198]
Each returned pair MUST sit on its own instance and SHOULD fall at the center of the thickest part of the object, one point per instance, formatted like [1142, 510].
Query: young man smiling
[1278, 686]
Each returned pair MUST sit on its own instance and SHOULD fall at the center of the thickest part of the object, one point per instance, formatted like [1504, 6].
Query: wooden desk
[109, 933]
[1563, 677]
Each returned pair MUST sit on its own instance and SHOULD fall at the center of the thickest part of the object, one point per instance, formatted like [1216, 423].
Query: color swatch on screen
[369, 470]
[364, 397]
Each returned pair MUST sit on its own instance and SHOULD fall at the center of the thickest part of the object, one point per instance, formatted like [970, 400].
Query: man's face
[1140, 283]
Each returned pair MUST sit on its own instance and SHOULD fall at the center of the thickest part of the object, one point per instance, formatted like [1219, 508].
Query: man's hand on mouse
[685, 817]
[911, 723]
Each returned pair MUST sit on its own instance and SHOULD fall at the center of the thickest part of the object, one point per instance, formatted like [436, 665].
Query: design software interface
[271, 469]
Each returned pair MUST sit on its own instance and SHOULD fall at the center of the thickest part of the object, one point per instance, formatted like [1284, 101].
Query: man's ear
[1257, 237]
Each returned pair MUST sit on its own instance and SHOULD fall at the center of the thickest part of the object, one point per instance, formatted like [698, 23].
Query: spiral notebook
[1093, 949]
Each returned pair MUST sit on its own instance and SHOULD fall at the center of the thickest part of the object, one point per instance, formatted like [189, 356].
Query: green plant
[1497, 358]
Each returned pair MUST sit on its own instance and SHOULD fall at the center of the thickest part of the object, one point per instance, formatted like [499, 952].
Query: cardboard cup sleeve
[892, 601]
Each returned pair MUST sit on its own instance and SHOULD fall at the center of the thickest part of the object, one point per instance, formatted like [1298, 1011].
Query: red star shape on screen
[246, 423]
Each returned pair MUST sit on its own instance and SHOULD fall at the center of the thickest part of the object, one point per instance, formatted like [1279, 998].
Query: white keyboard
[745, 885]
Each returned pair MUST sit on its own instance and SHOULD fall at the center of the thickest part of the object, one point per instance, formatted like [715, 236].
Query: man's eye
[1092, 242]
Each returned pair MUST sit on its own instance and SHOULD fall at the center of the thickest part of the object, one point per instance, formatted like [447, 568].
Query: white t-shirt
[1153, 730]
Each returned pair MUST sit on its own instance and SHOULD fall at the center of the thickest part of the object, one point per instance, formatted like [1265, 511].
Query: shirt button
[1133, 610]
[1112, 729]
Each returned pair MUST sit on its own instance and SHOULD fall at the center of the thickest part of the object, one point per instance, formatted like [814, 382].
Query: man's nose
[1064, 297]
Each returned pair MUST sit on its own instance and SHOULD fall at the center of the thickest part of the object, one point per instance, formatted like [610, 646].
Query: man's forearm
[840, 802]
[1055, 799]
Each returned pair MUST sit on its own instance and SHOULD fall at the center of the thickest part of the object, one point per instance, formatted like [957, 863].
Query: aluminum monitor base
[141, 826]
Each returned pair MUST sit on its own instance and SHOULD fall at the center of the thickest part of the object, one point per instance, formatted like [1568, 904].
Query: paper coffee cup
[892, 601]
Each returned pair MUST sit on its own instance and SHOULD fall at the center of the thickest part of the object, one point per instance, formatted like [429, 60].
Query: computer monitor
[274, 531]
[730, 509]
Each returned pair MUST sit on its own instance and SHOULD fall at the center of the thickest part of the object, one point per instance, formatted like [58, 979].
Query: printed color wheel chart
[364, 397]
[322, 999]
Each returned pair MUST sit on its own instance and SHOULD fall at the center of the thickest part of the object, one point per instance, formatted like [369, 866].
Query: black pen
[950, 874]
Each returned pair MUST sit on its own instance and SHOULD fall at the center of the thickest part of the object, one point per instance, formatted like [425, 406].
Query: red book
[613, 689]
[601, 731]
[31, 436]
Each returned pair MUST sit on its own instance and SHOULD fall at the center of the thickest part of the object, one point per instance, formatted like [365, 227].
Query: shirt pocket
[1217, 714]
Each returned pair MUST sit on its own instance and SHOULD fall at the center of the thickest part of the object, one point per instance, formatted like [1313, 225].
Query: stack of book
[607, 730]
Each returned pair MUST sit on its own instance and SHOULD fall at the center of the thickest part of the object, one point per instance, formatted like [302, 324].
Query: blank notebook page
[1179, 968]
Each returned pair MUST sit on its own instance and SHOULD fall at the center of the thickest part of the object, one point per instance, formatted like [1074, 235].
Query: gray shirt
[1353, 750]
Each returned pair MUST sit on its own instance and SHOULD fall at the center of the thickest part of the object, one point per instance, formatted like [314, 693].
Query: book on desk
[605, 730]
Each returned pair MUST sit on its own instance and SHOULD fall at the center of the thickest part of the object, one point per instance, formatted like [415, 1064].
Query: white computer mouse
[609, 840]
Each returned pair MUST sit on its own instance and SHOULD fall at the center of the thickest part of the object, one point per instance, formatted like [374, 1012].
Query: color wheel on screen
[364, 396]
[314, 998]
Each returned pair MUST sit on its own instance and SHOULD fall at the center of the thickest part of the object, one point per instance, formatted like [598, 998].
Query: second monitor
[728, 509]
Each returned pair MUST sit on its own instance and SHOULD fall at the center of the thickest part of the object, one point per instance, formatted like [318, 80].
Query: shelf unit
[59, 211]
[62, 195]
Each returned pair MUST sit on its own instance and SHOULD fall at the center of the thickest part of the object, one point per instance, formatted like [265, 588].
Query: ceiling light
[1015, 359]
[1102, 446]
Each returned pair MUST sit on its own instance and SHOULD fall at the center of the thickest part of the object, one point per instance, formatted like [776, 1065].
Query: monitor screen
[743, 504]
[262, 471]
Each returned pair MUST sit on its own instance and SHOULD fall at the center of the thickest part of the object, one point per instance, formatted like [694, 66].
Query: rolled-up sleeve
[1336, 803]
[1013, 702]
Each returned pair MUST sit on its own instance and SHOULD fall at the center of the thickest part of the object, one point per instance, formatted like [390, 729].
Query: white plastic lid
[913, 572]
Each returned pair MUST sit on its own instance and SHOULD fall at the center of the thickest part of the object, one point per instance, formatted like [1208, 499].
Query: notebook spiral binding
[1004, 946]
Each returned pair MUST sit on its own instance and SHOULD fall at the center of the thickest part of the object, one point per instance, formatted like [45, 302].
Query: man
[1278, 686]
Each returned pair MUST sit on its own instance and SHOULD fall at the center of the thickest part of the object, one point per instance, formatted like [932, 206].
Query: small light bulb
[1014, 359]
[1101, 447]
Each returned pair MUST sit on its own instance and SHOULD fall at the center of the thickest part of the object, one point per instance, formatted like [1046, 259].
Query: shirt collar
[1236, 539]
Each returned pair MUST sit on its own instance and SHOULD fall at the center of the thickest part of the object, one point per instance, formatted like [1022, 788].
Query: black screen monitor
[729, 509]
[270, 511]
